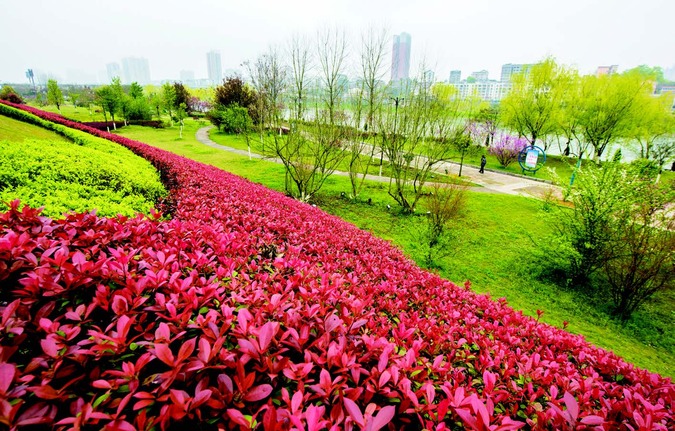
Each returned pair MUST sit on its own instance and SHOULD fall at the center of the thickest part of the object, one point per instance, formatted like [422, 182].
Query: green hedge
[88, 173]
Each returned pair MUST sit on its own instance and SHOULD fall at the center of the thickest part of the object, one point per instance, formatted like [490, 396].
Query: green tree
[182, 97]
[654, 121]
[534, 103]
[156, 103]
[135, 90]
[597, 197]
[169, 100]
[641, 261]
[181, 113]
[74, 97]
[121, 97]
[233, 91]
[608, 107]
[109, 101]
[54, 94]
[446, 203]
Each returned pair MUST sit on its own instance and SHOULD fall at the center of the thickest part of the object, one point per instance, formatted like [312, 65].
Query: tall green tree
[654, 121]
[234, 91]
[54, 94]
[608, 107]
[182, 97]
[533, 105]
[109, 101]
[169, 100]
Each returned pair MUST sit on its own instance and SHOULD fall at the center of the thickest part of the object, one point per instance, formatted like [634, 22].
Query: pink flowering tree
[506, 149]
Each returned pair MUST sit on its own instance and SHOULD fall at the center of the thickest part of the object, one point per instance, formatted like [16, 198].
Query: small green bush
[65, 176]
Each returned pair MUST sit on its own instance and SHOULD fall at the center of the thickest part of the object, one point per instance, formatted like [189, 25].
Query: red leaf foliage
[239, 307]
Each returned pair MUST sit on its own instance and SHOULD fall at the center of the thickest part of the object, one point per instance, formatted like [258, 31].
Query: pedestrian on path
[483, 162]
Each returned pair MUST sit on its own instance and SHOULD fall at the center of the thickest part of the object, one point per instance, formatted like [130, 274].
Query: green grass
[18, 131]
[239, 142]
[494, 250]
[77, 113]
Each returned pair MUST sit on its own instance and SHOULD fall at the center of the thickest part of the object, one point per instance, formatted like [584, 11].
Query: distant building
[429, 77]
[135, 69]
[114, 71]
[669, 73]
[480, 76]
[510, 69]
[400, 57]
[455, 76]
[607, 70]
[187, 75]
[486, 90]
[214, 66]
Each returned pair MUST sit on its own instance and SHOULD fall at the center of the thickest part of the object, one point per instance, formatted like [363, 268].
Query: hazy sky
[63, 36]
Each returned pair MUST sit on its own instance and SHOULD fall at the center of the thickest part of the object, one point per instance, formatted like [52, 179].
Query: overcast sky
[65, 36]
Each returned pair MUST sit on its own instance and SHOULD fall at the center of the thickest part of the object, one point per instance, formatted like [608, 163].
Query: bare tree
[368, 102]
[300, 56]
[311, 149]
[269, 78]
[417, 133]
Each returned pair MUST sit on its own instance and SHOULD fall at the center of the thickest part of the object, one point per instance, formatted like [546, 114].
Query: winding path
[490, 181]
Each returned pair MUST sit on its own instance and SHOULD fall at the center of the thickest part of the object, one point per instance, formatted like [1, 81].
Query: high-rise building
[135, 69]
[508, 70]
[114, 71]
[187, 75]
[455, 76]
[400, 57]
[480, 76]
[214, 66]
[607, 70]
[429, 77]
[669, 73]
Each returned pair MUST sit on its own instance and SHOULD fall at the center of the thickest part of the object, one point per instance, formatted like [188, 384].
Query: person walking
[483, 162]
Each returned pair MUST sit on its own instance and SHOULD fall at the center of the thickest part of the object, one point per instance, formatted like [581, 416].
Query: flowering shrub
[506, 149]
[251, 310]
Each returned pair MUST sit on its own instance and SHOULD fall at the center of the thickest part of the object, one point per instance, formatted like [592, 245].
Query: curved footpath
[490, 181]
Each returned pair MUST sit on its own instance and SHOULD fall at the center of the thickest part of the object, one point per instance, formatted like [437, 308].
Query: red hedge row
[251, 310]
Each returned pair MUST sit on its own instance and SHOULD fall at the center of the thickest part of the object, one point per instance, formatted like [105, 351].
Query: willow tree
[609, 106]
[534, 103]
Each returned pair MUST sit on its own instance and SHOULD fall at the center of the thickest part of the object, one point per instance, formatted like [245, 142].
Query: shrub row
[108, 125]
[62, 176]
[250, 310]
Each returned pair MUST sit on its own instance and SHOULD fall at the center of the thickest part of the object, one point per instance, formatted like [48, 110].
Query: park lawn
[496, 240]
[239, 142]
[78, 113]
[17, 131]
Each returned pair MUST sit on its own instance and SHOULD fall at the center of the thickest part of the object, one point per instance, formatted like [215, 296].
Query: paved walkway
[490, 181]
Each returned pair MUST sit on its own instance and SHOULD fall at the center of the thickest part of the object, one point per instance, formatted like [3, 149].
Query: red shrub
[250, 309]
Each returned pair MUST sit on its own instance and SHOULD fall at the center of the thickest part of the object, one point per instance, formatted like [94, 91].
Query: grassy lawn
[77, 113]
[239, 142]
[494, 249]
[16, 131]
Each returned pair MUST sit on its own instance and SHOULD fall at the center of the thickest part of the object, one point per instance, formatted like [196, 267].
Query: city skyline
[449, 35]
